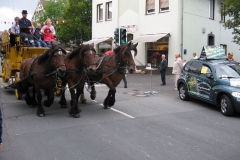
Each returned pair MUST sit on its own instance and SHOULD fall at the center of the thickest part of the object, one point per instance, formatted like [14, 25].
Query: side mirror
[209, 75]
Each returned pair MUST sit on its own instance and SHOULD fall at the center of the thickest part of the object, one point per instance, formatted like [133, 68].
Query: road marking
[125, 114]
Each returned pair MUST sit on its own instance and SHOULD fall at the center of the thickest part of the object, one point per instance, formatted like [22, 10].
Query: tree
[231, 9]
[79, 26]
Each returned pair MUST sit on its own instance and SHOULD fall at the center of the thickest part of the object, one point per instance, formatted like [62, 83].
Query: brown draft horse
[41, 73]
[111, 70]
[80, 61]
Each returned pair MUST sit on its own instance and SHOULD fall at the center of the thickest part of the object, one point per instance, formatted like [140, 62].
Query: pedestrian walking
[163, 68]
[177, 69]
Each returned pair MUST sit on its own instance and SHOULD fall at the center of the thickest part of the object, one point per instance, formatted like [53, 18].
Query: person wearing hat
[48, 36]
[25, 28]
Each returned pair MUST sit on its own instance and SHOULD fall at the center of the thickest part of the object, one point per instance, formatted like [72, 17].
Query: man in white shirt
[195, 56]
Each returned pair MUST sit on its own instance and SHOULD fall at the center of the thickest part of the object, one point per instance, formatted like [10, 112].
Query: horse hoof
[84, 101]
[106, 107]
[41, 115]
[63, 106]
[76, 115]
[46, 103]
[93, 97]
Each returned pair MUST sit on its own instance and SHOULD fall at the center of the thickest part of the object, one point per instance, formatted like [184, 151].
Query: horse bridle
[54, 62]
[91, 52]
[129, 54]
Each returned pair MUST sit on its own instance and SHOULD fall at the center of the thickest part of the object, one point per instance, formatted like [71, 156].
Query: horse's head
[129, 51]
[88, 55]
[57, 55]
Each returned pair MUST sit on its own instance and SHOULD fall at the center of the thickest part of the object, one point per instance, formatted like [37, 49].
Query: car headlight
[236, 94]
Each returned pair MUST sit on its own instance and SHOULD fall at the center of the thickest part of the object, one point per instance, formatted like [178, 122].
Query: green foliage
[79, 26]
[231, 9]
[78, 14]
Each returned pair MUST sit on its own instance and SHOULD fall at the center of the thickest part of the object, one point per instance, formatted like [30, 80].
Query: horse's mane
[77, 50]
[52, 50]
[116, 50]
[88, 47]
[74, 53]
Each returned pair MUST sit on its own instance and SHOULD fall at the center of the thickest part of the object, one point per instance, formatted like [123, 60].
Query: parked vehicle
[213, 81]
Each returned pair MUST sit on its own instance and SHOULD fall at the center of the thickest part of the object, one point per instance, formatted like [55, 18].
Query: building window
[163, 5]
[222, 12]
[211, 39]
[100, 12]
[109, 10]
[211, 8]
[150, 6]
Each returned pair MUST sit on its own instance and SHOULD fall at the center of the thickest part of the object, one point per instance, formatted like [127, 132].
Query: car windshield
[225, 71]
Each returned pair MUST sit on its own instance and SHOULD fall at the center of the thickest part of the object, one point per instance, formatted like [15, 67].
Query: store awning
[104, 45]
[149, 38]
[97, 40]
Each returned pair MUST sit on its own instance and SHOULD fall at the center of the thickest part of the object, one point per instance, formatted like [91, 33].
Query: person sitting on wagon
[25, 29]
[38, 37]
[48, 36]
[48, 23]
[15, 30]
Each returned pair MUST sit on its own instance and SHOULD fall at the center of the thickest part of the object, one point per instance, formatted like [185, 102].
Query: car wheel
[183, 93]
[226, 105]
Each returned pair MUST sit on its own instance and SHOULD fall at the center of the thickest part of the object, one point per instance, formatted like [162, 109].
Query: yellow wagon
[13, 55]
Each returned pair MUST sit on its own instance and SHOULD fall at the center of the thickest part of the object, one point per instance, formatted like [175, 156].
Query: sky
[12, 8]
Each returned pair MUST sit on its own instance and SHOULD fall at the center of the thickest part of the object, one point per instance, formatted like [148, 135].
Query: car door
[205, 83]
[193, 74]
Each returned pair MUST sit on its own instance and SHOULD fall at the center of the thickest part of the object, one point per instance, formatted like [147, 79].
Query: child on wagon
[48, 36]
[38, 37]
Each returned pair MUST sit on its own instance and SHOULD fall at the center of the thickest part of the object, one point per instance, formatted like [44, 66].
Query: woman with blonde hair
[48, 23]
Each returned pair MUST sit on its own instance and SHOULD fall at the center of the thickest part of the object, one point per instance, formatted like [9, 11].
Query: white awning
[149, 38]
[97, 40]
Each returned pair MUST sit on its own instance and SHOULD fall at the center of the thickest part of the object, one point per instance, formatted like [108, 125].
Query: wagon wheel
[58, 89]
[17, 93]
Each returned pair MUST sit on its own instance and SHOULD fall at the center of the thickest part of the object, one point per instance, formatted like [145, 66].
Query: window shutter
[150, 5]
[164, 3]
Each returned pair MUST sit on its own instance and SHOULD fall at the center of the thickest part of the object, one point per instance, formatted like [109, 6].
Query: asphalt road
[155, 127]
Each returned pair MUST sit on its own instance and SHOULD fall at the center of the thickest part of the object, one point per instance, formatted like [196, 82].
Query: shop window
[163, 5]
[155, 51]
[150, 6]
[211, 8]
[109, 10]
[100, 12]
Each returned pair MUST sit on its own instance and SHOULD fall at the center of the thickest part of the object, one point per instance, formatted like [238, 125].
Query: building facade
[162, 27]
[39, 10]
